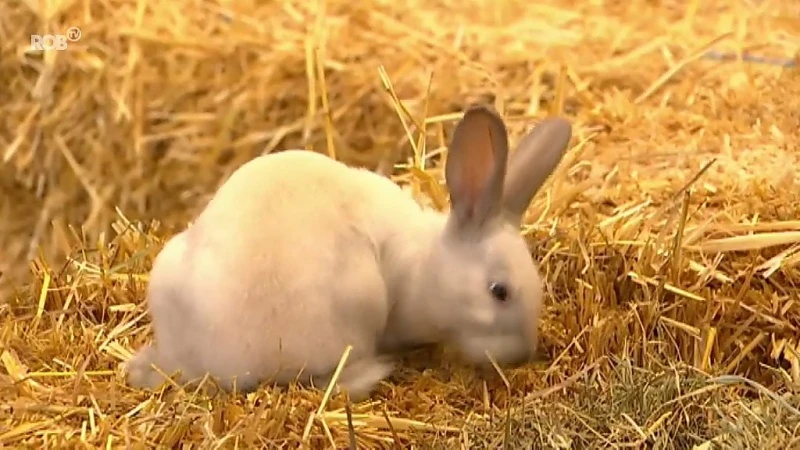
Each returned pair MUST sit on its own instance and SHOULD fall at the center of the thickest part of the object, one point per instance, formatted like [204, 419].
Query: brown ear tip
[557, 126]
[484, 109]
[483, 106]
[557, 121]
[486, 114]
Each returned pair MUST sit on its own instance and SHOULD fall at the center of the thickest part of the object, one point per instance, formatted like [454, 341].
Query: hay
[669, 237]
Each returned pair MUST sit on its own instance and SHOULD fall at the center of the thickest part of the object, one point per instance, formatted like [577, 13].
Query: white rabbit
[298, 255]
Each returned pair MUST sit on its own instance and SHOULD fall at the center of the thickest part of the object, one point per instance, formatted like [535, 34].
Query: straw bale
[669, 237]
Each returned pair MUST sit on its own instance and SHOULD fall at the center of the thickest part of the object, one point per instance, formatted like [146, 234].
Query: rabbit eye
[499, 291]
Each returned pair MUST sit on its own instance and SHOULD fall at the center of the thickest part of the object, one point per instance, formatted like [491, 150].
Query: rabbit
[298, 255]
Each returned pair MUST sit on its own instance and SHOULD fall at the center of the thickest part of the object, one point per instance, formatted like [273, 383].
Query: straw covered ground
[669, 237]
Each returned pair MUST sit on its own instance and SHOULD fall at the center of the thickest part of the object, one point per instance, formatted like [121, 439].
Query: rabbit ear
[476, 166]
[535, 158]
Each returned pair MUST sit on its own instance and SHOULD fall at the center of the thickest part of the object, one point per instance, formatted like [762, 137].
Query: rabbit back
[278, 274]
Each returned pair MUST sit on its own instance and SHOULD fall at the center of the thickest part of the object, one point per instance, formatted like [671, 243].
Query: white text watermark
[55, 41]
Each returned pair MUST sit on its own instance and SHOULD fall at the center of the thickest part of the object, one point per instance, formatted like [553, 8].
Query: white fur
[297, 256]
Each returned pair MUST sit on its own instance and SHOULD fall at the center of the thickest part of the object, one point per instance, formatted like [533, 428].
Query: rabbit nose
[531, 355]
[535, 354]
[523, 357]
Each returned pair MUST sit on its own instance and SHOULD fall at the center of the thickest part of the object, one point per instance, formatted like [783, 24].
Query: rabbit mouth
[507, 350]
[488, 371]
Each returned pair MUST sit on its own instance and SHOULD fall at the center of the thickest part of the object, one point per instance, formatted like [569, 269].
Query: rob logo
[55, 41]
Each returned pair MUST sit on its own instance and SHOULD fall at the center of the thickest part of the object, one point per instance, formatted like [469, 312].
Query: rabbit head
[481, 272]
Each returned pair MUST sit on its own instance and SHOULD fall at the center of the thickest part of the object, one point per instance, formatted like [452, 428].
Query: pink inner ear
[481, 162]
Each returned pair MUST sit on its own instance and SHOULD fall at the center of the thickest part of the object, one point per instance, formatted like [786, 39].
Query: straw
[668, 238]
